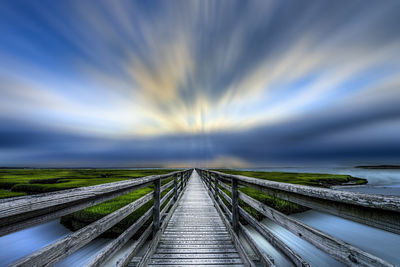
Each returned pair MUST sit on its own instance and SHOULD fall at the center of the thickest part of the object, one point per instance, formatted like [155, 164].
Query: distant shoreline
[379, 167]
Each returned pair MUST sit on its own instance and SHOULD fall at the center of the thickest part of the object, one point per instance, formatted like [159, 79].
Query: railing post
[235, 206]
[182, 179]
[156, 207]
[209, 181]
[216, 186]
[175, 187]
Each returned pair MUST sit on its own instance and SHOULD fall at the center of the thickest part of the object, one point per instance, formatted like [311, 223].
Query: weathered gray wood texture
[127, 258]
[340, 250]
[19, 213]
[154, 243]
[268, 235]
[375, 210]
[156, 206]
[112, 248]
[266, 259]
[60, 249]
[134, 248]
[195, 234]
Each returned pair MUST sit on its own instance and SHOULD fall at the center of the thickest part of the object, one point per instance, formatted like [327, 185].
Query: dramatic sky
[217, 83]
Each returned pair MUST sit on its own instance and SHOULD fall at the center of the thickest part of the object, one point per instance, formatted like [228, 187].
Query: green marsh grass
[284, 206]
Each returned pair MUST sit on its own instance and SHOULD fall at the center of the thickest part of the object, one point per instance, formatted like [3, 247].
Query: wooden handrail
[338, 249]
[157, 235]
[378, 211]
[22, 212]
[31, 210]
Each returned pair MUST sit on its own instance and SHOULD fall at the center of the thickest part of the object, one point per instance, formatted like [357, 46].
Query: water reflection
[22, 243]
[377, 242]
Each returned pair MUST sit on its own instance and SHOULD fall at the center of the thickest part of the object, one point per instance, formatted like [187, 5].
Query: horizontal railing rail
[376, 208]
[22, 212]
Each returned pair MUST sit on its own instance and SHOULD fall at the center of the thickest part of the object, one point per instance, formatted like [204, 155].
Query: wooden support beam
[156, 207]
[156, 238]
[63, 247]
[378, 211]
[216, 186]
[175, 187]
[235, 206]
[274, 240]
[134, 248]
[107, 252]
[266, 259]
[338, 249]
[268, 235]
[22, 212]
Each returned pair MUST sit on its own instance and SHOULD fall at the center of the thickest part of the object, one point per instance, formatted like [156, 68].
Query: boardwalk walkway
[196, 234]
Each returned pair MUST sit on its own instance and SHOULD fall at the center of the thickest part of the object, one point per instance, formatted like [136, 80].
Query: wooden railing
[379, 211]
[22, 212]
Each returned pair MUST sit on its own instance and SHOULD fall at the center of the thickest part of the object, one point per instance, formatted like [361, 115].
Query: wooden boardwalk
[189, 230]
[196, 234]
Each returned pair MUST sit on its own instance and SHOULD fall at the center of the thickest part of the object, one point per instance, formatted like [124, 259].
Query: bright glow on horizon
[121, 70]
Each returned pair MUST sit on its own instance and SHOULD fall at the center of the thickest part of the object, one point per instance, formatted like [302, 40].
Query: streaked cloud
[126, 72]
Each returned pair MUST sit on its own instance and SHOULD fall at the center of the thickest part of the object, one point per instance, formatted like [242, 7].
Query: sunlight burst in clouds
[126, 69]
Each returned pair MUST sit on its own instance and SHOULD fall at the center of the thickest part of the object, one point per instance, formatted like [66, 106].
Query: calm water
[383, 177]
[380, 243]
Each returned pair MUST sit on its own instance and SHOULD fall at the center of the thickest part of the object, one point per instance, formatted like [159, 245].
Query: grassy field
[18, 182]
[309, 179]
[34, 181]
[79, 219]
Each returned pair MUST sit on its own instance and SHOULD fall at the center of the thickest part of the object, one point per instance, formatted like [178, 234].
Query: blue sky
[216, 83]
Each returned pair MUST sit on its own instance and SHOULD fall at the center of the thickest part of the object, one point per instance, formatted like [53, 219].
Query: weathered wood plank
[153, 245]
[274, 240]
[200, 265]
[134, 248]
[266, 259]
[195, 238]
[113, 247]
[156, 206]
[378, 211]
[196, 250]
[29, 219]
[235, 238]
[195, 226]
[226, 210]
[195, 242]
[200, 233]
[196, 246]
[211, 255]
[22, 212]
[175, 187]
[235, 206]
[60, 249]
[268, 235]
[194, 261]
[338, 249]
[40, 201]
[367, 200]
[216, 187]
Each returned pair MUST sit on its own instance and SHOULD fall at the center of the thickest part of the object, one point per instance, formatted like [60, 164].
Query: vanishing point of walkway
[196, 234]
